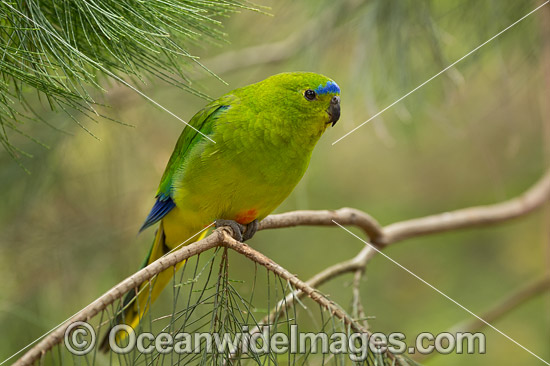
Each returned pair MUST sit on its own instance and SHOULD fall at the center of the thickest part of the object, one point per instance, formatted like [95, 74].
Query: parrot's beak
[334, 110]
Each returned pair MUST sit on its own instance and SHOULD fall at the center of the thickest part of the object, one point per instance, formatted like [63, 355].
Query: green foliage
[62, 49]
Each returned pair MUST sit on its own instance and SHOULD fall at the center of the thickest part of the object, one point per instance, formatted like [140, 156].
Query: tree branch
[399, 231]
[302, 287]
[118, 291]
[379, 236]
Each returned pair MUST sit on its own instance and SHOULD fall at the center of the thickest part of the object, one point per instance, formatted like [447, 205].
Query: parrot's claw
[251, 229]
[238, 229]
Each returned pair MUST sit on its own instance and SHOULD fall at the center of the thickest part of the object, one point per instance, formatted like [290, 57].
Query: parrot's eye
[310, 94]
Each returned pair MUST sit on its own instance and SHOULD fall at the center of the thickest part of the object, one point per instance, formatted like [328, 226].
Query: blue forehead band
[330, 88]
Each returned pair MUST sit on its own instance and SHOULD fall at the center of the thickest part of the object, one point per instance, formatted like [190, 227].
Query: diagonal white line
[36, 340]
[63, 322]
[444, 295]
[442, 71]
[116, 77]
[191, 237]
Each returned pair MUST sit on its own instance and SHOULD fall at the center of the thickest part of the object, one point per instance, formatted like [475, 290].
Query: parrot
[260, 141]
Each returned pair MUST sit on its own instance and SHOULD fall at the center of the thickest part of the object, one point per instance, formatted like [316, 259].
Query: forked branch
[379, 236]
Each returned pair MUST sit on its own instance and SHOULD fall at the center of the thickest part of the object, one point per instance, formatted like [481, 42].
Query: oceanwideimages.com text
[80, 339]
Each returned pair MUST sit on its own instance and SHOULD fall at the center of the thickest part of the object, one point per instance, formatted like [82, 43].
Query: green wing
[203, 121]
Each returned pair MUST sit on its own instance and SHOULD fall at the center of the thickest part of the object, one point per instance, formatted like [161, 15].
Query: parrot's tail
[134, 307]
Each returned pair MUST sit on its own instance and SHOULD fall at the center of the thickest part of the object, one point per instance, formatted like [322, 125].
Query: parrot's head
[309, 102]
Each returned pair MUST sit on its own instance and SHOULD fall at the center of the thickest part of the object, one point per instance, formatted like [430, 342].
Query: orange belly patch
[246, 217]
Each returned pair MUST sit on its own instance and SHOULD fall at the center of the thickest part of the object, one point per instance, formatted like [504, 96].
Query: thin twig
[302, 286]
[358, 311]
[311, 292]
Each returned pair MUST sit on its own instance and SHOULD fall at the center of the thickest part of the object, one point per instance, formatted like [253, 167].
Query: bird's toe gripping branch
[241, 232]
[251, 229]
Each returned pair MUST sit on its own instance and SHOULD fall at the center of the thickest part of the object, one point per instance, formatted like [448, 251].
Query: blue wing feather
[160, 209]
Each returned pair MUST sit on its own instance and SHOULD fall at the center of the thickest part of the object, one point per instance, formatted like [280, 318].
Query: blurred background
[477, 134]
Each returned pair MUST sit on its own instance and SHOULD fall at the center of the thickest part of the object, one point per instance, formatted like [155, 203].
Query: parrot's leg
[248, 230]
[251, 229]
[237, 228]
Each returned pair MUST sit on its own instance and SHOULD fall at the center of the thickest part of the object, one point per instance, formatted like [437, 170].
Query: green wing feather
[203, 121]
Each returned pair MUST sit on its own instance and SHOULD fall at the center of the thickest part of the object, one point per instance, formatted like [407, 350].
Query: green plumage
[264, 135]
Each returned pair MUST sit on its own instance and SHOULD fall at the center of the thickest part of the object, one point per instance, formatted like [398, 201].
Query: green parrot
[264, 135]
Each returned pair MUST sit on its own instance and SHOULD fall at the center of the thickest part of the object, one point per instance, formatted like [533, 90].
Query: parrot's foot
[251, 229]
[238, 229]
